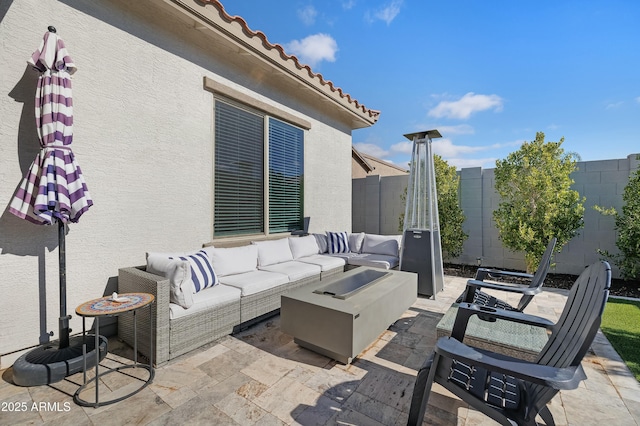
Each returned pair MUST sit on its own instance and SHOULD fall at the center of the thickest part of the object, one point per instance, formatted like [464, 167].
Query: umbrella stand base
[48, 363]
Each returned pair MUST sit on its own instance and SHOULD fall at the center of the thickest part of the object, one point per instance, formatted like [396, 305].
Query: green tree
[628, 228]
[537, 202]
[452, 236]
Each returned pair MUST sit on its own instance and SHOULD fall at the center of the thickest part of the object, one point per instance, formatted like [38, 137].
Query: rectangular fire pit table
[340, 317]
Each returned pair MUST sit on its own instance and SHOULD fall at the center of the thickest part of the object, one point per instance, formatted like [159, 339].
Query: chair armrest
[137, 279]
[475, 285]
[483, 273]
[513, 288]
[467, 310]
[556, 378]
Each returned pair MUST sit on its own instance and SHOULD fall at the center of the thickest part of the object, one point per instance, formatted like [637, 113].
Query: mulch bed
[618, 287]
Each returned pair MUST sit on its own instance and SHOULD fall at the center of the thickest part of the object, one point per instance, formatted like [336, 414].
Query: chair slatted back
[574, 332]
[541, 273]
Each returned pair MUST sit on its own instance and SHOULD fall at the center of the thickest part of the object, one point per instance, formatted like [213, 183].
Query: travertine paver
[260, 376]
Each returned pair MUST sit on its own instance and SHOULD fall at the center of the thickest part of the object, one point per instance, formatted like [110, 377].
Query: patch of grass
[621, 325]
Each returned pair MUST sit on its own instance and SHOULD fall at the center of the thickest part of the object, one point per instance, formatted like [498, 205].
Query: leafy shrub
[537, 202]
[628, 228]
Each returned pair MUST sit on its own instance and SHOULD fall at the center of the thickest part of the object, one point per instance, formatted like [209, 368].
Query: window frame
[248, 163]
[294, 162]
[234, 98]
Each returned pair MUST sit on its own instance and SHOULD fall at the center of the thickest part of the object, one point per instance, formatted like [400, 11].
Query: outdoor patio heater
[421, 250]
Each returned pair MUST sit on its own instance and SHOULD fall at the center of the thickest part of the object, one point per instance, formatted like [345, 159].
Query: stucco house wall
[143, 136]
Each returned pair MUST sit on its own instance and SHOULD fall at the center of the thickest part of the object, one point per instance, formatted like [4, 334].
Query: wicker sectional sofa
[249, 281]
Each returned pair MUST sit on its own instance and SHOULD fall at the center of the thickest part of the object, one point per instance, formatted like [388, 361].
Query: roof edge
[281, 60]
[363, 161]
[386, 163]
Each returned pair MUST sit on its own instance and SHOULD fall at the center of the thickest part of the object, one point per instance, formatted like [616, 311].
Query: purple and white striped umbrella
[53, 188]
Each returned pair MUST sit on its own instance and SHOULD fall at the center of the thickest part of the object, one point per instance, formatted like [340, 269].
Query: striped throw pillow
[338, 242]
[202, 273]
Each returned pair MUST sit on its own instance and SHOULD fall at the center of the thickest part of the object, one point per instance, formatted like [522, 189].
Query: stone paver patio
[262, 377]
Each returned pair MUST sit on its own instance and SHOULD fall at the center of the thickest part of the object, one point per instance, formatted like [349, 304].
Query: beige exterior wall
[380, 167]
[143, 137]
[383, 168]
[358, 171]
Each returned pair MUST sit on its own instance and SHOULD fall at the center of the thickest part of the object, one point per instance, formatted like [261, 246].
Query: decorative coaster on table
[107, 305]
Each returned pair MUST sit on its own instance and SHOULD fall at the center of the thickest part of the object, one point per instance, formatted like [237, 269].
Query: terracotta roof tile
[373, 114]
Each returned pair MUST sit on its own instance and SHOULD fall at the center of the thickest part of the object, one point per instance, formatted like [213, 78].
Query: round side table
[106, 307]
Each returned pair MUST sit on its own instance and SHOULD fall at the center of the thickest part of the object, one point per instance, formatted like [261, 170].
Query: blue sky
[487, 74]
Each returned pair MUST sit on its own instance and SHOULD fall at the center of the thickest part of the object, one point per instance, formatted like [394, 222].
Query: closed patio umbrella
[53, 190]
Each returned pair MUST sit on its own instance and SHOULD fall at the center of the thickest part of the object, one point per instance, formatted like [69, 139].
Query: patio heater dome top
[432, 134]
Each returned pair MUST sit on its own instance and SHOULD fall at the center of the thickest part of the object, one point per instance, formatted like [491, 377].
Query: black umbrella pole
[62, 256]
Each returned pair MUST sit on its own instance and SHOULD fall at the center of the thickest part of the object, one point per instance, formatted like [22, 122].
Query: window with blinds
[240, 179]
[239, 171]
[285, 176]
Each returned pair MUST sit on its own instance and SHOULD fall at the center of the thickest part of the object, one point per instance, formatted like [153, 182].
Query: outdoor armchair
[509, 390]
[474, 294]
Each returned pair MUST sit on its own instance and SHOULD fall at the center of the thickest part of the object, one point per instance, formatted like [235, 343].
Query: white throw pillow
[234, 260]
[338, 242]
[355, 242]
[381, 244]
[303, 246]
[321, 240]
[273, 251]
[178, 272]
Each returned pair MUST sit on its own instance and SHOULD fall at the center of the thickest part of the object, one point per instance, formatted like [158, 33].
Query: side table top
[104, 306]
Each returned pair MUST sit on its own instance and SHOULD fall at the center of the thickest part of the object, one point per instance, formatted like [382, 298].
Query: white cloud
[461, 156]
[467, 105]
[613, 105]
[460, 129]
[404, 147]
[464, 155]
[447, 149]
[308, 15]
[638, 99]
[371, 149]
[462, 163]
[314, 48]
[347, 5]
[387, 13]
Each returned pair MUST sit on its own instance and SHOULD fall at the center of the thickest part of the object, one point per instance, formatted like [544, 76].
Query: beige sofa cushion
[303, 246]
[209, 298]
[381, 244]
[294, 270]
[325, 262]
[254, 282]
[178, 272]
[321, 240]
[374, 260]
[273, 251]
[234, 260]
[355, 242]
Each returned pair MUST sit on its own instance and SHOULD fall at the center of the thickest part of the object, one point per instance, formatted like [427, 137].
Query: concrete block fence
[377, 206]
